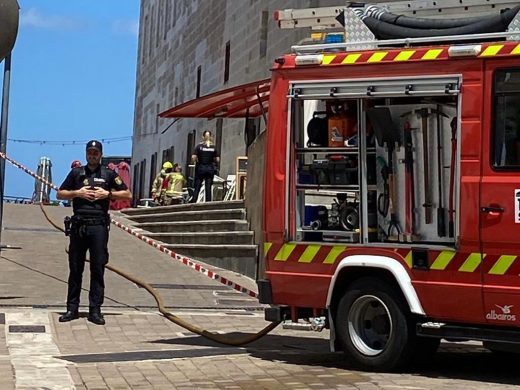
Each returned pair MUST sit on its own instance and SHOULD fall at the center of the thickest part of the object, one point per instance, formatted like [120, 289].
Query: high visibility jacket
[178, 181]
[157, 186]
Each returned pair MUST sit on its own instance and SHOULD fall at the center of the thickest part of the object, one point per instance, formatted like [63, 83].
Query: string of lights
[72, 142]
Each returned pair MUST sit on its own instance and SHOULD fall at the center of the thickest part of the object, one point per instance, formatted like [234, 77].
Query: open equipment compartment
[376, 168]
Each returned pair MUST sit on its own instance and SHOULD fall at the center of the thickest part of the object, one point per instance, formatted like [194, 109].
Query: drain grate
[236, 302]
[26, 328]
[188, 287]
[233, 293]
[2, 318]
[238, 314]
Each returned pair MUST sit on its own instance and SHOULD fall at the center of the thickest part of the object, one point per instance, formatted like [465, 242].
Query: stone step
[204, 215]
[211, 238]
[194, 226]
[237, 258]
[233, 204]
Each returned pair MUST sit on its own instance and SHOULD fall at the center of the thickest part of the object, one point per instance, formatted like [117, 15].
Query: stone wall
[176, 38]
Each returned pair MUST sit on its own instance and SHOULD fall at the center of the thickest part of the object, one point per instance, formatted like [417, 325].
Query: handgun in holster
[67, 222]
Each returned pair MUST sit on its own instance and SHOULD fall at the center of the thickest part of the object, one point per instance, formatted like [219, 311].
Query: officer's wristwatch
[109, 197]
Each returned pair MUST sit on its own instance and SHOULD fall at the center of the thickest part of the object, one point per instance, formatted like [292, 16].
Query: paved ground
[139, 349]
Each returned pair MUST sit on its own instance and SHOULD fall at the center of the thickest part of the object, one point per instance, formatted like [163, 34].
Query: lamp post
[3, 135]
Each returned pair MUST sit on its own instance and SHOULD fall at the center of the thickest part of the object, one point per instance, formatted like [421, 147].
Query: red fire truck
[421, 246]
[391, 201]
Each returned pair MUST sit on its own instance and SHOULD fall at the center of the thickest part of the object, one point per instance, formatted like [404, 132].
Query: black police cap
[95, 145]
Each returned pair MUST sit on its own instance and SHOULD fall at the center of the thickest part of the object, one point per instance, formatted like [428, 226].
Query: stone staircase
[215, 232]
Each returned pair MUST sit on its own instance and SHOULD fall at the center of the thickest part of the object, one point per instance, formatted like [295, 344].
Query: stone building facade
[190, 48]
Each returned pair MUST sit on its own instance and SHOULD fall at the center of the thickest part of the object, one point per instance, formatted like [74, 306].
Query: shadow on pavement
[453, 361]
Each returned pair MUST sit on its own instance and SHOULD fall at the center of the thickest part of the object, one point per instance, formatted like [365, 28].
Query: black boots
[95, 316]
[69, 316]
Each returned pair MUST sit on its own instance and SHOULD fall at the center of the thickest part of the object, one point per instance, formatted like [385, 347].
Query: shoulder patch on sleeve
[118, 180]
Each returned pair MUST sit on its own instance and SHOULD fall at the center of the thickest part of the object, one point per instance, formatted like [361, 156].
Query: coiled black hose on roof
[496, 23]
[420, 23]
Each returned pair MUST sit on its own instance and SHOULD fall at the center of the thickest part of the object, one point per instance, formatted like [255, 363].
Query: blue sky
[72, 79]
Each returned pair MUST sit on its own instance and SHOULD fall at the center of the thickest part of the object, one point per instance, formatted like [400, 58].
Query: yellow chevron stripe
[502, 265]
[442, 260]
[472, 262]
[491, 50]
[351, 59]
[284, 252]
[516, 50]
[309, 253]
[377, 56]
[267, 246]
[432, 54]
[408, 259]
[333, 254]
[405, 55]
[328, 58]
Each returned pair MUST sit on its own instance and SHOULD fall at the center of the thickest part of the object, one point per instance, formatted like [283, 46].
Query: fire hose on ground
[217, 337]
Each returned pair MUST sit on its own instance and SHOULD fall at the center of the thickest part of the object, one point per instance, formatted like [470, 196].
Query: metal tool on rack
[388, 134]
[451, 210]
[409, 229]
[441, 211]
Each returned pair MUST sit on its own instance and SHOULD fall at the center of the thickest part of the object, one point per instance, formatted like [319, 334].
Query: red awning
[236, 102]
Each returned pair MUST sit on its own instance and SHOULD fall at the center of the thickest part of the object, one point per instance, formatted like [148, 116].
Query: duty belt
[90, 221]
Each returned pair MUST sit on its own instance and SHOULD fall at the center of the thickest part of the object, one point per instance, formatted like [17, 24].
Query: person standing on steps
[90, 188]
[206, 159]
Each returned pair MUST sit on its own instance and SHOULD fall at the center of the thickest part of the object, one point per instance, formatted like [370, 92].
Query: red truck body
[462, 284]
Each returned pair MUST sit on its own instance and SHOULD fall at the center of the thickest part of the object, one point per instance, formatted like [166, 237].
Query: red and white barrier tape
[187, 261]
[183, 259]
[27, 170]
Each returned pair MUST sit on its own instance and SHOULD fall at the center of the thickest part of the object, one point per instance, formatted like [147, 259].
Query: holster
[67, 222]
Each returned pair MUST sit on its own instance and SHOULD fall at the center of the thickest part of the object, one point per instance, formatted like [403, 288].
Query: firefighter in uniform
[206, 158]
[90, 188]
[162, 187]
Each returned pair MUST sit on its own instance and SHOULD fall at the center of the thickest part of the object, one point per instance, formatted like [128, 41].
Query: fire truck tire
[374, 326]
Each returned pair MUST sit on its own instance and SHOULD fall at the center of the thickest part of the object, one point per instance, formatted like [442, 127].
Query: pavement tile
[282, 360]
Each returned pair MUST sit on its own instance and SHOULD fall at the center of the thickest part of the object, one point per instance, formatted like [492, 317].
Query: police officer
[206, 158]
[90, 188]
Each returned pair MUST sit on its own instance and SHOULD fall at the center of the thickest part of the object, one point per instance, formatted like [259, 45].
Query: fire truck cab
[392, 191]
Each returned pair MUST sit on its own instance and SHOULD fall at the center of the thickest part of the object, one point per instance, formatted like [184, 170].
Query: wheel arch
[353, 267]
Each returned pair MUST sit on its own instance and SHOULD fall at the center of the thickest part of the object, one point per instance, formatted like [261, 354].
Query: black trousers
[204, 172]
[93, 238]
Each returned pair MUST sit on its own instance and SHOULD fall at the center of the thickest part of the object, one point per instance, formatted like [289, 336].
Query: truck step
[460, 332]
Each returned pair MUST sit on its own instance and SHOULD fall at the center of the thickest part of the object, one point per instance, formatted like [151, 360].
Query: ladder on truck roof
[359, 36]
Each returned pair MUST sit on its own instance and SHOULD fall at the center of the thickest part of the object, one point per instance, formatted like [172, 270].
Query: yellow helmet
[167, 165]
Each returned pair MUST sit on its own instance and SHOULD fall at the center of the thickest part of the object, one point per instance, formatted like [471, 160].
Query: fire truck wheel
[373, 325]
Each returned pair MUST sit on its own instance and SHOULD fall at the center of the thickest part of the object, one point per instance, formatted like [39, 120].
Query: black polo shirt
[205, 154]
[99, 177]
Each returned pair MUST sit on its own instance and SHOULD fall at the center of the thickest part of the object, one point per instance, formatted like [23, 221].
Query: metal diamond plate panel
[356, 31]
[514, 26]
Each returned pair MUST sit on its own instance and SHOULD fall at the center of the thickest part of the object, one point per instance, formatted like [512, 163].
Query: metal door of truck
[499, 206]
